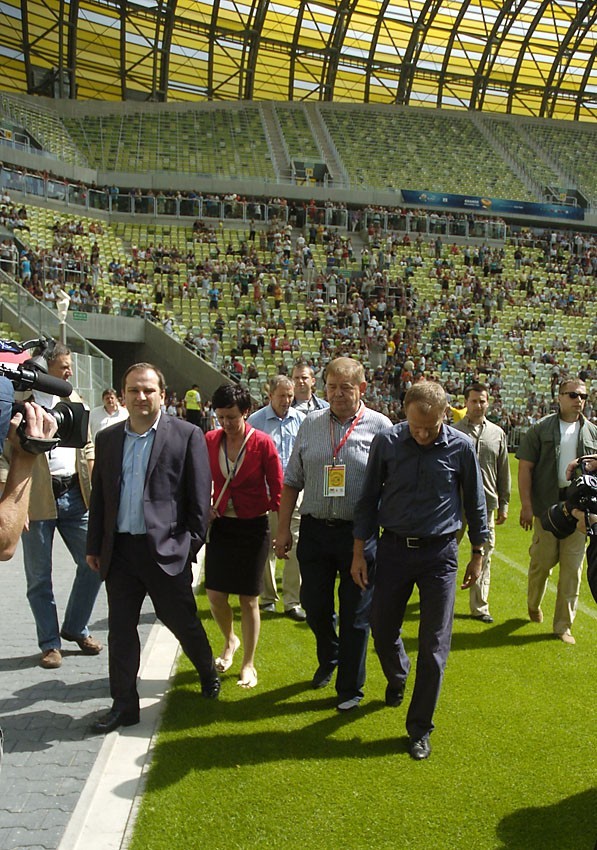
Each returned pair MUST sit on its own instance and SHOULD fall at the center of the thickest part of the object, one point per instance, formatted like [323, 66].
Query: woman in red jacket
[247, 476]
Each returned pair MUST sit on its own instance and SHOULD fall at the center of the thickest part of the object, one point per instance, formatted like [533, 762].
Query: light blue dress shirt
[135, 458]
[282, 431]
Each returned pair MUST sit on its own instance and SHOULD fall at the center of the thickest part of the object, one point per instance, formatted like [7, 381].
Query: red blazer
[257, 485]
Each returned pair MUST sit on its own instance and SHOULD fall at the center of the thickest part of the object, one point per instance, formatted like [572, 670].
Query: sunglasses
[573, 395]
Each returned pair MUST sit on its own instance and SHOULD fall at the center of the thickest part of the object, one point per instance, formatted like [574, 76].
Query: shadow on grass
[570, 824]
[200, 748]
[500, 634]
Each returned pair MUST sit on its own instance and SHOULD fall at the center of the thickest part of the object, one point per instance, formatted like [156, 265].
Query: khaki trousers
[546, 551]
[291, 577]
[479, 592]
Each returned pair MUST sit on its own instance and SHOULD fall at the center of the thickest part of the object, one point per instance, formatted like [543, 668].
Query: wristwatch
[476, 551]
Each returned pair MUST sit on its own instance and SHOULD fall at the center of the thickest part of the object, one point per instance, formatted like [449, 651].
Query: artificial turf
[514, 750]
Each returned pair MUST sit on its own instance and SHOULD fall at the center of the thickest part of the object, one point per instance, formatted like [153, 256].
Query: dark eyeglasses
[573, 395]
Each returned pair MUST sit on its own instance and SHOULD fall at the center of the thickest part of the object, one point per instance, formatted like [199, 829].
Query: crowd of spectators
[407, 304]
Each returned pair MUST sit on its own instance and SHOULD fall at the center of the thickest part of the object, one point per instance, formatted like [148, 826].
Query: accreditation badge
[334, 481]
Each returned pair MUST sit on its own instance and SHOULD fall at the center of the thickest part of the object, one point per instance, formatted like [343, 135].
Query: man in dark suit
[148, 518]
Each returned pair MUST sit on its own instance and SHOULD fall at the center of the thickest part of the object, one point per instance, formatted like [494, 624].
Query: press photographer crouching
[578, 511]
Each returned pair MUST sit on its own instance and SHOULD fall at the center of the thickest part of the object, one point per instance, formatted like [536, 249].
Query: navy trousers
[325, 553]
[432, 568]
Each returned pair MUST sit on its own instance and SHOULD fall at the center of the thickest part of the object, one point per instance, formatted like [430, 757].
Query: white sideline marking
[551, 587]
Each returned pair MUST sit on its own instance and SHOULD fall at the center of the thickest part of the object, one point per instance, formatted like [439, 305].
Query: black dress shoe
[483, 618]
[297, 614]
[211, 689]
[112, 720]
[322, 677]
[419, 748]
[394, 696]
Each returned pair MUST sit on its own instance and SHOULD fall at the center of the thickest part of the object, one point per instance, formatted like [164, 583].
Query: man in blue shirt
[415, 475]
[281, 421]
[148, 518]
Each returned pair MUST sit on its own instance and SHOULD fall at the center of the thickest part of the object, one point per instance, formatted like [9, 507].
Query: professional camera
[71, 417]
[581, 495]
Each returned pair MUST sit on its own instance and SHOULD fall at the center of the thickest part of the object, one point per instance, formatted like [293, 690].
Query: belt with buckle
[61, 484]
[332, 523]
[420, 542]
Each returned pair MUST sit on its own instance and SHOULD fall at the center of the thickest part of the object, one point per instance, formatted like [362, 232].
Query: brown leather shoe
[536, 615]
[566, 638]
[51, 659]
[88, 645]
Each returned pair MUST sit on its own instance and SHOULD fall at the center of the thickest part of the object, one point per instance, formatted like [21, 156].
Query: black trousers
[134, 574]
[324, 554]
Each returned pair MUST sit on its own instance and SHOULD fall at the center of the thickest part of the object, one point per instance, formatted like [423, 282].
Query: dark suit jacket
[176, 496]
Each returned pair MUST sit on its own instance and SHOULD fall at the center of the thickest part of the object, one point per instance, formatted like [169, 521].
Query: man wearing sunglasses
[545, 452]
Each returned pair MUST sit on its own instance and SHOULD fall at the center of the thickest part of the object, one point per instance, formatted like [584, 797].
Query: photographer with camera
[587, 518]
[545, 453]
[39, 426]
[59, 499]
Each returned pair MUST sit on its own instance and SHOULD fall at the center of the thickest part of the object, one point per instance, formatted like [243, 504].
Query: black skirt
[236, 554]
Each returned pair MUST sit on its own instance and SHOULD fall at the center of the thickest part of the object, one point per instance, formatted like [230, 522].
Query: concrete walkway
[58, 781]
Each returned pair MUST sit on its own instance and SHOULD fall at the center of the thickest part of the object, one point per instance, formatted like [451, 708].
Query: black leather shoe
[211, 689]
[322, 677]
[483, 618]
[297, 614]
[419, 748]
[394, 696]
[112, 720]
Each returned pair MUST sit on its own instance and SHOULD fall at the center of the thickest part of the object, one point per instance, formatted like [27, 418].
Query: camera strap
[37, 445]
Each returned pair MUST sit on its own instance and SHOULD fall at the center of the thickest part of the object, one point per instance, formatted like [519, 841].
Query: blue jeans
[71, 522]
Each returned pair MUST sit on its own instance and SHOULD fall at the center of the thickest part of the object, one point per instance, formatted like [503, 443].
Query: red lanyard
[346, 436]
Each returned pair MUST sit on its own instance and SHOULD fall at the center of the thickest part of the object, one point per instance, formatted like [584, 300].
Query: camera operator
[14, 501]
[59, 500]
[590, 465]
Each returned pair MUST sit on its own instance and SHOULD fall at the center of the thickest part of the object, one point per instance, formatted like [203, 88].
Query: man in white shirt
[108, 413]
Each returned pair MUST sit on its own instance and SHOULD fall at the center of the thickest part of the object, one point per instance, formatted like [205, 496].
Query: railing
[92, 368]
[229, 208]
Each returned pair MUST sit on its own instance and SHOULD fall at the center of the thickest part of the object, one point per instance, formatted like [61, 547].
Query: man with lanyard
[492, 451]
[327, 464]
[192, 405]
[545, 452]
[420, 475]
[281, 422]
[303, 378]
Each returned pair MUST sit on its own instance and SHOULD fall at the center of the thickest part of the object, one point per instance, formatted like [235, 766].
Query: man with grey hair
[420, 475]
[327, 465]
[281, 421]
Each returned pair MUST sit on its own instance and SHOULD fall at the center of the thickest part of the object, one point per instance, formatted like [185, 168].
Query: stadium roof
[534, 58]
